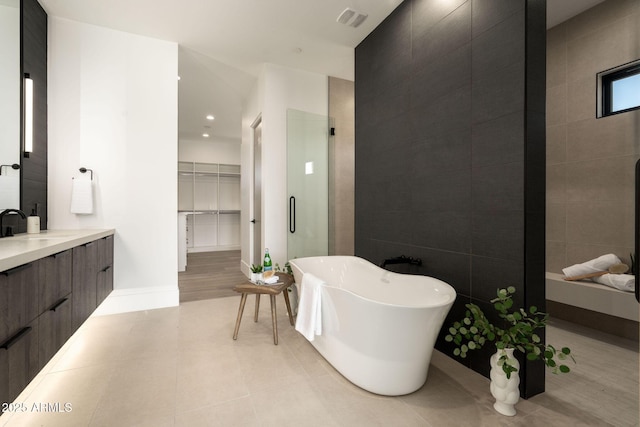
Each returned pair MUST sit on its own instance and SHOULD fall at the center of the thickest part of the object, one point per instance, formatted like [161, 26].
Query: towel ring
[84, 170]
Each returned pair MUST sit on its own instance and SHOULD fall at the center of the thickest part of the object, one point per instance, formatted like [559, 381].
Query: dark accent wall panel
[450, 100]
[34, 62]
[535, 173]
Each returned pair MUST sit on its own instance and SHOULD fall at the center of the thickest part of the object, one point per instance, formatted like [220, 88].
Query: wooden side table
[284, 281]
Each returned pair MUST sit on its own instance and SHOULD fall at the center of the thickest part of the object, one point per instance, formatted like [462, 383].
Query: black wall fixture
[450, 150]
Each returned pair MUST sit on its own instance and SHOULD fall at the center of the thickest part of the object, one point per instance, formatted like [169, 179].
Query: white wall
[113, 109]
[279, 88]
[210, 151]
[252, 109]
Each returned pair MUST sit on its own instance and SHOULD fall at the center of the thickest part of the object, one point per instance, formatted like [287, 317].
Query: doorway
[257, 192]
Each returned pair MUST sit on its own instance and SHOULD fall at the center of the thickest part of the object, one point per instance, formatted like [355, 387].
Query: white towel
[595, 265]
[623, 282]
[309, 320]
[82, 196]
[271, 280]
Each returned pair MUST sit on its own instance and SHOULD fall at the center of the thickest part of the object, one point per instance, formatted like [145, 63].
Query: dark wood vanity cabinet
[43, 302]
[104, 284]
[19, 361]
[92, 277]
[55, 303]
[85, 273]
[18, 299]
[18, 329]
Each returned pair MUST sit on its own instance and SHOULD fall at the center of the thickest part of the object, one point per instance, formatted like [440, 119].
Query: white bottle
[33, 223]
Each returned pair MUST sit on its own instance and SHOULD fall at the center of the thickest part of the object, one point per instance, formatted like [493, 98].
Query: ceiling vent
[351, 17]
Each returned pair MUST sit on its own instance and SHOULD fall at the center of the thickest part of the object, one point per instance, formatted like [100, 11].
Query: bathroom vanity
[50, 283]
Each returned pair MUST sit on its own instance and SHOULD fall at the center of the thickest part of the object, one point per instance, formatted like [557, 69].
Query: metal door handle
[292, 214]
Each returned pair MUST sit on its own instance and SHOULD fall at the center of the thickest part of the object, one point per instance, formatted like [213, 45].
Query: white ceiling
[224, 42]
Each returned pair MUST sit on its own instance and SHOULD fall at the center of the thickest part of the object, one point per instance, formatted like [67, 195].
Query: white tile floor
[180, 367]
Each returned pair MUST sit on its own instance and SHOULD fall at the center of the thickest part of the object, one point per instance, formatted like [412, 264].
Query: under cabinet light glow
[28, 115]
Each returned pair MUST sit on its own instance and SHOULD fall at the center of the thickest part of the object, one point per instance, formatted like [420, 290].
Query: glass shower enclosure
[307, 184]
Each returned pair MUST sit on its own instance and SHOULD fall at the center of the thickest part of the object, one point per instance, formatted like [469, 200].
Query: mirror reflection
[9, 104]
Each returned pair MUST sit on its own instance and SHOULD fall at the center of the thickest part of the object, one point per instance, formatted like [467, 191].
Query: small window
[619, 89]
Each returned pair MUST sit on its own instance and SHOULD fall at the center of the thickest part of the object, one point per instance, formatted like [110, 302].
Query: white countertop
[24, 248]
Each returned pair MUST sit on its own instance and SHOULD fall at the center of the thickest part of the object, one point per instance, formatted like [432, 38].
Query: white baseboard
[138, 299]
[219, 248]
[245, 268]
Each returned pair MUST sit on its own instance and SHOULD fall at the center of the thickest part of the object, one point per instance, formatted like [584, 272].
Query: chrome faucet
[2, 214]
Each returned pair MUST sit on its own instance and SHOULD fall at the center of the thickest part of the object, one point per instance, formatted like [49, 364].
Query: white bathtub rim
[387, 304]
[450, 300]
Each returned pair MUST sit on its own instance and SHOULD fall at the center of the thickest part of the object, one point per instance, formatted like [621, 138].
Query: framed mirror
[10, 87]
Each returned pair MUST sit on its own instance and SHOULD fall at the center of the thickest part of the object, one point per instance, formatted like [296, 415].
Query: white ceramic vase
[505, 390]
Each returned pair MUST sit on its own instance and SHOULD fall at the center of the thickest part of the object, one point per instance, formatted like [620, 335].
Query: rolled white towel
[623, 282]
[595, 265]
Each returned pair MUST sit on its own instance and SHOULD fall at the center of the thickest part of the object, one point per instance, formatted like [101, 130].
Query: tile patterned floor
[180, 367]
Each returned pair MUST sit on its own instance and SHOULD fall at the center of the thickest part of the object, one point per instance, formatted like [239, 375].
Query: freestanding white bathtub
[378, 327]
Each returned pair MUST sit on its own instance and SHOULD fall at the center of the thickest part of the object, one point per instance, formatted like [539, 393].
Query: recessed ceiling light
[178, 77]
[210, 117]
[206, 135]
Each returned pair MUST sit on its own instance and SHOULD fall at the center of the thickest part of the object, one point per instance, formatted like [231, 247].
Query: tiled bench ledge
[592, 296]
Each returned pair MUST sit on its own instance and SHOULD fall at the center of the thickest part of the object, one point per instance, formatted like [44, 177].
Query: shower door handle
[292, 214]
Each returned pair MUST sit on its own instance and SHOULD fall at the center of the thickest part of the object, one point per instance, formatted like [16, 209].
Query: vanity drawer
[85, 278]
[18, 298]
[55, 328]
[55, 279]
[19, 361]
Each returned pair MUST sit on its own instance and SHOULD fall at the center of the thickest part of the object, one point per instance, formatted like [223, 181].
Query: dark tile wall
[33, 172]
[450, 100]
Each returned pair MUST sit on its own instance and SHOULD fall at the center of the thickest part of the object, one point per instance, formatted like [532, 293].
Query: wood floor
[210, 275]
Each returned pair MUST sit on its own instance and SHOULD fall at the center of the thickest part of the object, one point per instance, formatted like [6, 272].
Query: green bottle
[267, 261]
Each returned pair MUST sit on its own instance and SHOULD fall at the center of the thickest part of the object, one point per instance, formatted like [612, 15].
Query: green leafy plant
[475, 330]
[256, 268]
[287, 268]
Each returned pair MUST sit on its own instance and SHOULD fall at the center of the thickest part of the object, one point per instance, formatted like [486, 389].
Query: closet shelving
[209, 196]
